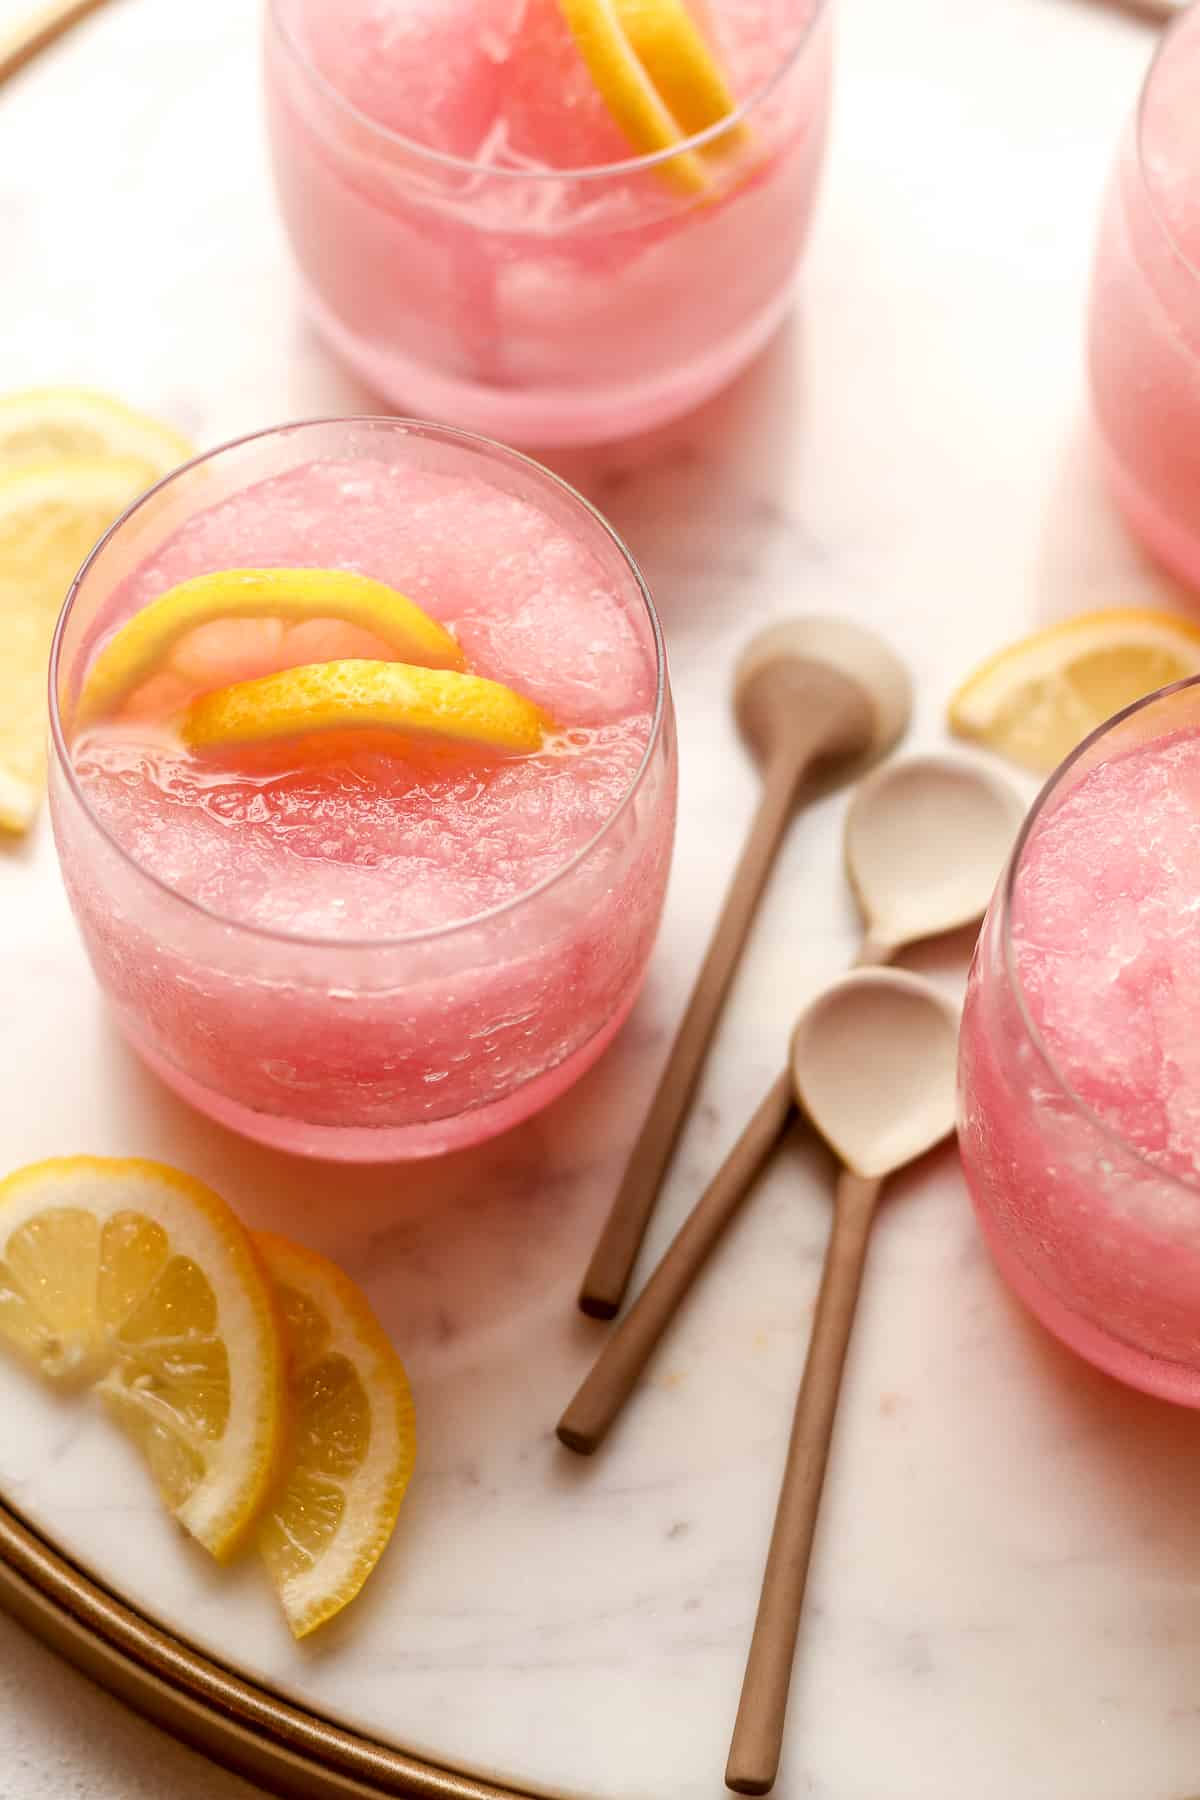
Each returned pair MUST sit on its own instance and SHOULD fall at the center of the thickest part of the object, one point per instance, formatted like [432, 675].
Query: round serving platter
[1003, 1591]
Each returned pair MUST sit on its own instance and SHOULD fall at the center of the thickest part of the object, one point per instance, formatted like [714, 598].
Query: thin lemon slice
[352, 1443]
[51, 514]
[637, 106]
[133, 1277]
[1037, 700]
[68, 421]
[680, 64]
[438, 705]
[146, 642]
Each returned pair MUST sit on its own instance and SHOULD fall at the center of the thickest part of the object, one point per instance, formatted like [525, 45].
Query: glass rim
[1162, 52]
[410, 428]
[1008, 887]
[469, 166]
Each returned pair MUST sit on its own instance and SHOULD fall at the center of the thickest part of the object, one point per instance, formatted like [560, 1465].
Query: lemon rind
[144, 642]
[376, 1491]
[206, 1229]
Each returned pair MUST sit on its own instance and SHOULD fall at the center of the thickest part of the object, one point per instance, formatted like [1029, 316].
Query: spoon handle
[601, 1396]
[39, 31]
[585, 1423]
[758, 1733]
[1161, 11]
[612, 1261]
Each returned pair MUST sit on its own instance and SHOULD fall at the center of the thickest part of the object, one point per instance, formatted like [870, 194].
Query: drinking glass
[537, 305]
[1100, 1238]
[1144, 346]
[374, 1048]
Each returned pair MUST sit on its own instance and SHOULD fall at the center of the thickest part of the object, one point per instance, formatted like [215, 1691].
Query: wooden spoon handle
[758, 1733]
[39, 31]
[612, 1261]
[1162, 11]
[604, 1392]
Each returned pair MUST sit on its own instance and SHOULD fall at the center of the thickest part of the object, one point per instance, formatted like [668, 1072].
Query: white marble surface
[1004, 1599]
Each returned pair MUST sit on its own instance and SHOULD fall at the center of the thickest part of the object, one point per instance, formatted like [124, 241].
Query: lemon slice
[67, 421]
[1037, 700]
[627, 89]
[438, 705]
[681, 66]
[51, 513]
[135, 1278]
[168, 629]
[352, 1444]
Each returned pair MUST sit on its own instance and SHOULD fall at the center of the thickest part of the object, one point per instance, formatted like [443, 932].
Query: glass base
[381, 1144]
[556, 418]
[1136, 1368]
[1177, 549]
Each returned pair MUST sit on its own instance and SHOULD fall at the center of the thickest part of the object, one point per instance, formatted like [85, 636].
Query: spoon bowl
[787, 667]
[925, 840]
[874, 1066]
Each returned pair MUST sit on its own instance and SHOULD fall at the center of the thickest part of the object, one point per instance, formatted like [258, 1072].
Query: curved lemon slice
[69, 421]
[269, 598]
[352, 1444]
[680, 63]
[438, 705]
[51, 514]
[138, 1279]
[1037, 700]
[630, 94]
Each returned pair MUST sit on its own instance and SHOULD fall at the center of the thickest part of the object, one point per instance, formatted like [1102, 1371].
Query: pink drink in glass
[1080, 1054]
[1145, 311]
[478, 240]
[378, 951]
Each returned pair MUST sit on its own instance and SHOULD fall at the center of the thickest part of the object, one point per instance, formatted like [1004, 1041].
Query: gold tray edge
[31, 35]
[227, 1718]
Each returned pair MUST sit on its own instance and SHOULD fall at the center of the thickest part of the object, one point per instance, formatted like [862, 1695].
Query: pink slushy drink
[485, 242]
[379, 951]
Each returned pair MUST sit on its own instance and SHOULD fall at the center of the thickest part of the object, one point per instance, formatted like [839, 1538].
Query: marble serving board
[1006, 1593]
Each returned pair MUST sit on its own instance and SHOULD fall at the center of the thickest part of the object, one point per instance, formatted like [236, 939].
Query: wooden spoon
[809, 694]
[925, 839]
[873, 1061]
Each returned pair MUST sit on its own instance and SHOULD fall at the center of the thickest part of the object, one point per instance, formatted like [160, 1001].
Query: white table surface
[1004, 1598]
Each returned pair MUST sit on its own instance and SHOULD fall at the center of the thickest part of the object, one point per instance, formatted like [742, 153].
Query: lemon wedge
[51, 514]
[440, 706]
[1037, 700]
[134, 1278]
[630, 47]
[352, 1441]
[69, 421]
[165, 636]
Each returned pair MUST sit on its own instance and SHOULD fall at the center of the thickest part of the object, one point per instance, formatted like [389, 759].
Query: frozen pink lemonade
[370, 944]
[1145, 313]
[1081, 1059]
[526, 217]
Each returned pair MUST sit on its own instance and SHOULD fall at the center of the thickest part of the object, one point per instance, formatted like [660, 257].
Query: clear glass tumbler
[541, 306]
[363, 1048]
[1085, 1184]
[1144, 348]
